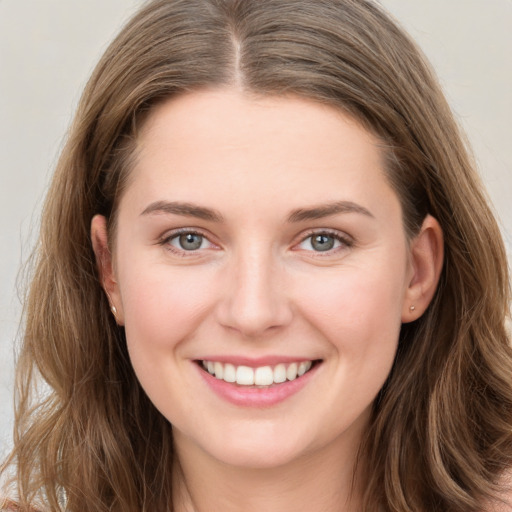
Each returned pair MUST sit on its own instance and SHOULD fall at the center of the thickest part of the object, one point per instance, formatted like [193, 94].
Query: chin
[256, 448]
[257, 457]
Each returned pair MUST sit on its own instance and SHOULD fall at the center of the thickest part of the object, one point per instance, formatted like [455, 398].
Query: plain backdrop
[48, 48]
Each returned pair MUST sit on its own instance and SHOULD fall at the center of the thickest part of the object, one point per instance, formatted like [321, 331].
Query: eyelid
[346, 241]
[165, 239]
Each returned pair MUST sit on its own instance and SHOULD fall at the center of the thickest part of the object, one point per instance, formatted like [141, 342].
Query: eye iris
[190, 241]
[322, 242]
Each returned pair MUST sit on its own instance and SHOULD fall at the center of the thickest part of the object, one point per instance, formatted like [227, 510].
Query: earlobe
[426, 261]
[99, 239]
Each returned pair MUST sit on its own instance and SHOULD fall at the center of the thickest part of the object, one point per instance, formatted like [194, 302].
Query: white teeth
[291, 373]
[229, 373]
[303, 368]
[244, 376]
[280, 373]
[261, 376]
[219, 370]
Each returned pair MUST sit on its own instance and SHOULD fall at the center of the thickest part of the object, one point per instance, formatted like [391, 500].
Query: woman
[267, 278]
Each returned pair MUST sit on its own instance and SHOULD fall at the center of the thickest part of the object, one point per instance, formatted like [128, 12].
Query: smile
[260, 376]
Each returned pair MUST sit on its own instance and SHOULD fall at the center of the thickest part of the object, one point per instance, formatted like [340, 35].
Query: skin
[258, 287]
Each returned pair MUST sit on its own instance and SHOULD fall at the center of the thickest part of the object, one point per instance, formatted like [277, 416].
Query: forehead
[246, 149]
[228, 118]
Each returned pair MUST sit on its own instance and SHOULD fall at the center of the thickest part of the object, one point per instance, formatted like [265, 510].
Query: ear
[99, 239]
[426, 264]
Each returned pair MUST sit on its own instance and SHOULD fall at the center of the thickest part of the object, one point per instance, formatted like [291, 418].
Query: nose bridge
[256, 300]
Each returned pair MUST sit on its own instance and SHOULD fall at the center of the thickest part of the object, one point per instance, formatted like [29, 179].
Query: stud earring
[112, 307]
[412, 308]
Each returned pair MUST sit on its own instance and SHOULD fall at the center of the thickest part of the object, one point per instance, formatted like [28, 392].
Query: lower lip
[249, 396]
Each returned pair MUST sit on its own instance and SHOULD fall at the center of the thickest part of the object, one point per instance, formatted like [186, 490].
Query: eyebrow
[325, 210]
[299, 215]
[186, 209]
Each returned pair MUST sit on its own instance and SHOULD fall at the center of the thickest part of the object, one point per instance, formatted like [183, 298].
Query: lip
[255, 362]
[249, 396]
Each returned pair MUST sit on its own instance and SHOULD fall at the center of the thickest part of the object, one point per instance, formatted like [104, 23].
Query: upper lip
[256, 362]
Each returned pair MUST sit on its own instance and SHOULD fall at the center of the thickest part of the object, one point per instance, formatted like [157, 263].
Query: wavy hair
[440, 435]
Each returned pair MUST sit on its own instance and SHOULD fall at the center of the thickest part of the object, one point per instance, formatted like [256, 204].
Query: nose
[255, 300]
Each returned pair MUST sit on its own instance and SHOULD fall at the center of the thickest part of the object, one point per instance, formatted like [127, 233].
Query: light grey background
[49, 47]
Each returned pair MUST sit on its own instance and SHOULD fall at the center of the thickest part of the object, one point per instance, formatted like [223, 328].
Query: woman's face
[259, 237]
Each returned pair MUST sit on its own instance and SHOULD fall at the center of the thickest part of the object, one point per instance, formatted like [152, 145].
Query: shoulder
[503, 503]
[7, 505]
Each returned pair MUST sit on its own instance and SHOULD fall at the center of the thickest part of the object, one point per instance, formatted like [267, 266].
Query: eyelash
[166, 241]
[344, 240]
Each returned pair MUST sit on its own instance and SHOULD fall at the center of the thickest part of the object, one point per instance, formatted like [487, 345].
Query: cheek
[358, 298]
[162, 310]
[162, 306]
[358, 311]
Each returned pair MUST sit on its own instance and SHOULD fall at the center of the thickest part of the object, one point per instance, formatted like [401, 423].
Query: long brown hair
[440, 436]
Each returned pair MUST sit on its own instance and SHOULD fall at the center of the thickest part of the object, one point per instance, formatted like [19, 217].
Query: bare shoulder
[504, 501]
[7, 505]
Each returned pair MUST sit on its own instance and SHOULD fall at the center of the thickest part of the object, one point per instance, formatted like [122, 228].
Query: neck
[316, 482]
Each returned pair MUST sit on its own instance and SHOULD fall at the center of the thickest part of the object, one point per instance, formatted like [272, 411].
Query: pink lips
[252, 396]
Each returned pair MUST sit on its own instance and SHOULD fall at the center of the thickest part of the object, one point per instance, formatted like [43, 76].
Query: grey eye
[189, 241]
[322, 242]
